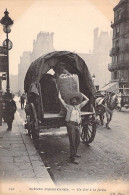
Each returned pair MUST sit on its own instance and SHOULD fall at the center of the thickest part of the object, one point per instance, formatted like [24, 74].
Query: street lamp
[7, 22]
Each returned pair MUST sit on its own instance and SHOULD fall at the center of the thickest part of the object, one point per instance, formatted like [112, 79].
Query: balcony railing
[117, 49]
[118, 65]
[120, 18]
[120, 80]
[114, 50]
[112, 67]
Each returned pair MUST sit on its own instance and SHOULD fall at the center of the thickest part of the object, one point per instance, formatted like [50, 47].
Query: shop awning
[111, 87]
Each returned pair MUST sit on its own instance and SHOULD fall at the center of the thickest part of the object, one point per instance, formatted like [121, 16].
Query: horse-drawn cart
[43, 105]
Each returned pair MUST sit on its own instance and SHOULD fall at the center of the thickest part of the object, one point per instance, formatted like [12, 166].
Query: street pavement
[19, 160]
[106, 160]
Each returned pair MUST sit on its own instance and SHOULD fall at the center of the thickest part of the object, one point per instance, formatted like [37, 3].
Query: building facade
[98, 59]
[42, 45]
[13, 84]
[119, 66]
[22, 69]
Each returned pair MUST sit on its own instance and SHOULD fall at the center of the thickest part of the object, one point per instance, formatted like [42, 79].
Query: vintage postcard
[64, 97]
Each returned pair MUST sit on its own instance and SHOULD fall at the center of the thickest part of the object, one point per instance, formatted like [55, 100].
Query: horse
[106, 105]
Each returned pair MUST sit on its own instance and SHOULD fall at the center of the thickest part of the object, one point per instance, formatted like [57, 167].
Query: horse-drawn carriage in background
[123, 98]
[125, 101]
[43, 106]
[105, 103]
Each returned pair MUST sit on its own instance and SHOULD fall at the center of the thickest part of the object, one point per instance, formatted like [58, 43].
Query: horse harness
[111, 104]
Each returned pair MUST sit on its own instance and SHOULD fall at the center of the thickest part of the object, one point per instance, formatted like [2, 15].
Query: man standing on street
[10, 109]
[22, 100]
[73, 119]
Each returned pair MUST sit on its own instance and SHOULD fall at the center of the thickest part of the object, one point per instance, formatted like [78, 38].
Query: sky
[72, 22]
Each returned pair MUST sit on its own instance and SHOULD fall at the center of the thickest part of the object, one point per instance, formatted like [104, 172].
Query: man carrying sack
[73, 119]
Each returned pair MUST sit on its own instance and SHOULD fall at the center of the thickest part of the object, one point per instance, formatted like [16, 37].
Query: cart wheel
[27, 125]
[34, 133]
[34, 127]
[88, 132]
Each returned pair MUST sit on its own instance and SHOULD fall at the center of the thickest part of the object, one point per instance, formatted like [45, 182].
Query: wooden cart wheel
[88, 131]
[34, 133]
[34, 127]
[28, 125]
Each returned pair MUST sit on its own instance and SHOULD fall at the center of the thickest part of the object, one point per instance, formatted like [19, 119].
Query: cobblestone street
[106, 159]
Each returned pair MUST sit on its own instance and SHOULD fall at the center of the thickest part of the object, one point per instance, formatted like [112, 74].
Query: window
[118, 14]
[117, 46]
[117, 30]
[113, 59]
[115, 74]
[117, 43]
[116, 58]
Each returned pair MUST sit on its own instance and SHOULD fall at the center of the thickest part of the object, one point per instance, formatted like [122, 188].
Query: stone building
[22, 68]
[42, 45]
[98, 59]
[13, 83]
[119, 66]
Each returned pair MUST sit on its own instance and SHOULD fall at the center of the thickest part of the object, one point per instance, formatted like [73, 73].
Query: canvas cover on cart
[74, 64]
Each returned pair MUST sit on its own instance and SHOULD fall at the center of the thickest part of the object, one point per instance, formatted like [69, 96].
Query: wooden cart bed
[52, 116]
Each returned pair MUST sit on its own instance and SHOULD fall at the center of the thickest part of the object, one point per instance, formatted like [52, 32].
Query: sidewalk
[19, 160]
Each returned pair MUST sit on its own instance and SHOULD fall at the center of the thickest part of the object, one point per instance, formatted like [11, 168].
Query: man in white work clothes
[73, 119]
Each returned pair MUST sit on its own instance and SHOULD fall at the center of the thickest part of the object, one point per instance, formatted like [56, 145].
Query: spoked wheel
[27, 125]
[88, 131]
[32, 124]
[34, 132]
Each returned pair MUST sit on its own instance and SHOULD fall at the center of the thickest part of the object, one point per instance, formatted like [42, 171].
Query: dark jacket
[22, 99]
[10, 109]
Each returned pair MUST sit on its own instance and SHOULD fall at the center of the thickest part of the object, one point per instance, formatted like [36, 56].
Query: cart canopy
[74, 64]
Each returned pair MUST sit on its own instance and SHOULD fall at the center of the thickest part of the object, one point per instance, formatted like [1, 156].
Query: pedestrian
[119, 98]
[22, 100]
[10, 109]
[73, 120]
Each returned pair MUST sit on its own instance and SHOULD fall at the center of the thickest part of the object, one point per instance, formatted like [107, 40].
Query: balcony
[120, 18]
[124, 64]
[114, 50]
[112, 67]
[120, 80]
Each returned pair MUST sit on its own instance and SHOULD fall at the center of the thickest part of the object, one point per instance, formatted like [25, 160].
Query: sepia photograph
[64, 97]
